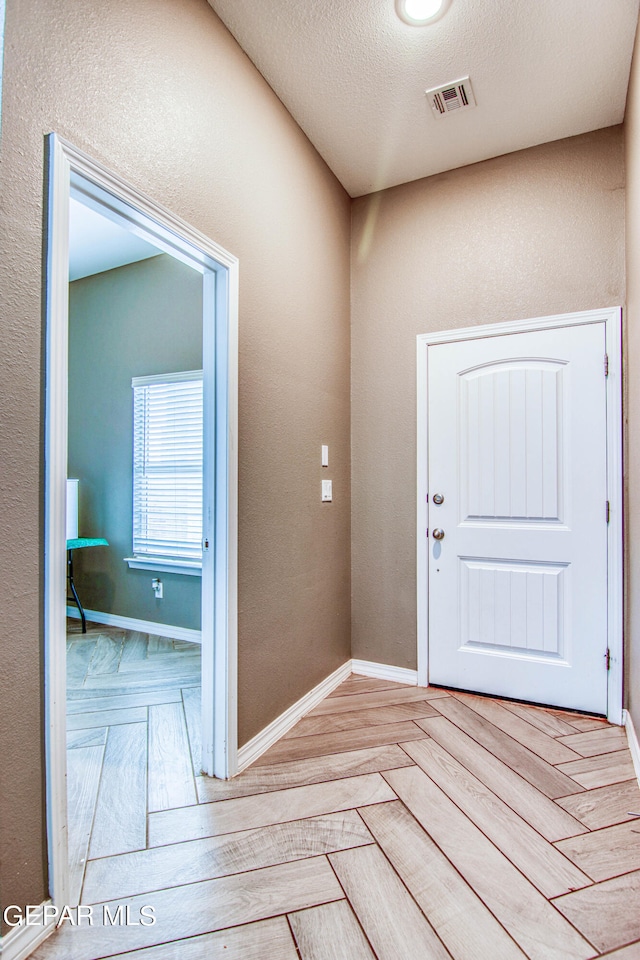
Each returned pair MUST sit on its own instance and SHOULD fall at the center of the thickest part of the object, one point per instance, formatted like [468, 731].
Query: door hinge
[607, 511]
[607, 659]
[606, 364]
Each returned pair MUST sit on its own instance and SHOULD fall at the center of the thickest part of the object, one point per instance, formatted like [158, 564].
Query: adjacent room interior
[134, 510]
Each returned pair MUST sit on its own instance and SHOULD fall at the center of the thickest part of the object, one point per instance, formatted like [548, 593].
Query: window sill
[192, 568]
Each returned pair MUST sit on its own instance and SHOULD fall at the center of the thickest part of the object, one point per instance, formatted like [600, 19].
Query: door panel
[516, 607]
[510, 465]
[517, 449]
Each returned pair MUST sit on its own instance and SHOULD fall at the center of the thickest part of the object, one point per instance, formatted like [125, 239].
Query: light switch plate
[325, 455]
[327, 490]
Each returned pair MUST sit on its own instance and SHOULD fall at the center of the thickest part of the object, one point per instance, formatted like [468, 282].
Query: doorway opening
[180, 380]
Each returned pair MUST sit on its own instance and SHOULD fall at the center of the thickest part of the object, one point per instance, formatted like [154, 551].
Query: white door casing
[518, 599]
[66, 166]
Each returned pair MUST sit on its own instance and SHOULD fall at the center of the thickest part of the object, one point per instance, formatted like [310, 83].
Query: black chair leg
[74, 591]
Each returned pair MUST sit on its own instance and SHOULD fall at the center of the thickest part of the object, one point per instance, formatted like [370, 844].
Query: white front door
[517, 448]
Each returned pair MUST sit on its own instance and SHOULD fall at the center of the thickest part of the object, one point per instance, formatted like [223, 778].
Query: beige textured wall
[160, 92]
[632, 332]
[529, 234]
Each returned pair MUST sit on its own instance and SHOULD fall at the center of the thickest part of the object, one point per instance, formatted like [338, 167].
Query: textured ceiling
[97, 244]
[354, 77]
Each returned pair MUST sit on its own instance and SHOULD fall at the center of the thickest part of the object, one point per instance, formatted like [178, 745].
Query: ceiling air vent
[452, 97]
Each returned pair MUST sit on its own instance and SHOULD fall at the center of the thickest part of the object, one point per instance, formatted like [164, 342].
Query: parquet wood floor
[393, 822]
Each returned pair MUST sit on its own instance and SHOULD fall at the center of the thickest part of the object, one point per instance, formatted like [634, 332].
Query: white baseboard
[20, 942]
[632, 738]
[278, 727]
[143, 626]
[384, 671]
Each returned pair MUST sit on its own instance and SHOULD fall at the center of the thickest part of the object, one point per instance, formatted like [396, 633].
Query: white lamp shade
[72, 509]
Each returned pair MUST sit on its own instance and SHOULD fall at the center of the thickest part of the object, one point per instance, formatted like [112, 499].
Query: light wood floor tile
[135, 647]
[95, 737]
[120, 821]
[113, 878]
[466, 927]
[83, 777]
[607, 852]
[582, 724]
[541, 862]
[330, 932]
[534, 807]
[167, 667]
[601, 770]
[78, 660]
[530, 736]
[192, 711]
[297, 748]
[607, 913]
[395, 927]
[264, 940]
[171, 782]
[355, 719]
[549, 723]
[365, 685]
[596, 742]
[364, 701]
[159, 645]
[523, 911]
[130, 695]
[185, 645]
[533, 768]
[169, 654]
[116, 684]
[106, 718]
[299, 773]
[461, 866]
[123, 702]
[202, 908]
[106, 656]
[579, 722]
[244, 813]
[630, 952]
[604, 806]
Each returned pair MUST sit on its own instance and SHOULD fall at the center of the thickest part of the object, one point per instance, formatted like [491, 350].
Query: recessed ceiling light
[418, 12]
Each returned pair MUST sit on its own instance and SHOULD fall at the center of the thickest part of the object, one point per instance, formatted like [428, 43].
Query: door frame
[612, 318]
[69, 168]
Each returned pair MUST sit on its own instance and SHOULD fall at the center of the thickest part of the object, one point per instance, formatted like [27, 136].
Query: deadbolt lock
[438, 498]
[438, 534]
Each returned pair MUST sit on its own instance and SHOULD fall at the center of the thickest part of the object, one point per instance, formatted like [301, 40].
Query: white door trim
[612, 317]
[220, 348]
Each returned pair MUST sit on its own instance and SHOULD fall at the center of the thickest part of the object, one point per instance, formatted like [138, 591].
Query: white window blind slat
[167, 466]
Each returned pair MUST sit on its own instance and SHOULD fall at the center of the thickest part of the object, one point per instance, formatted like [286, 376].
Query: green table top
[87, 542]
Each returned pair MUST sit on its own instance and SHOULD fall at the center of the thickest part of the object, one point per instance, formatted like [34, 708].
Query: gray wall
[138, 320]
[526, 235]
[161, 93]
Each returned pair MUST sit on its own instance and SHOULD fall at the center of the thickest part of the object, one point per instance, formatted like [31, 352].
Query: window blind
[167, 466]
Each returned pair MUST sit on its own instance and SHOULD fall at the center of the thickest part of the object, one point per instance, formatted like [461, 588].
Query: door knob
[438, 534]
[438, 498]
